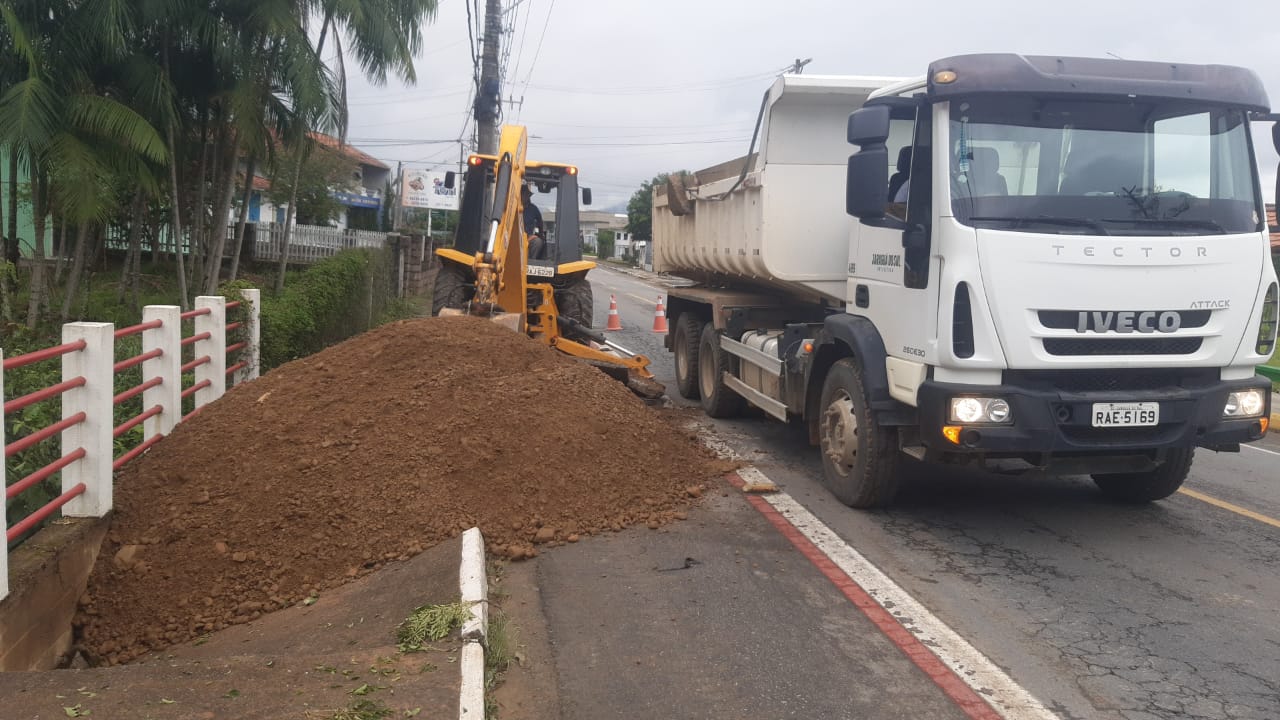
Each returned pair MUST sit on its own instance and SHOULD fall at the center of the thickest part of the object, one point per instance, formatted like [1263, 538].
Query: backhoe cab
[489, 271]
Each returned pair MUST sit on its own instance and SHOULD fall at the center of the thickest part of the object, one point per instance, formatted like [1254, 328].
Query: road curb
[474, 586]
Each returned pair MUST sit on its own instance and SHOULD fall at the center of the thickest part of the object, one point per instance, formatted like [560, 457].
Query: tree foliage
[169, 99]
[604, 244]
[640, 208]
[323, 171]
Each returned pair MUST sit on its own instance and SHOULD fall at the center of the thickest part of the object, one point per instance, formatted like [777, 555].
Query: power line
[524, 33]
[533, 63]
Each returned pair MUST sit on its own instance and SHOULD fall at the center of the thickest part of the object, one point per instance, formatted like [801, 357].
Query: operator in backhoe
[532, 223]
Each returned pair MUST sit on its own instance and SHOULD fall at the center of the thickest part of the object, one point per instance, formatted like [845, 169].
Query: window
[1119, 168]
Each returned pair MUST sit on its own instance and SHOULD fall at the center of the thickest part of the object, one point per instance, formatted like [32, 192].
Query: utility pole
[798, 67]
[398, 207]
[489, 97]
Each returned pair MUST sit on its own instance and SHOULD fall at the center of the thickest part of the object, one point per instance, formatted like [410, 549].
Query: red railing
[88, 379]
[10, 449]
[140, 328]
[22, 526]
[196, 388]
[48, 393]
[18, 361]
[155, 410]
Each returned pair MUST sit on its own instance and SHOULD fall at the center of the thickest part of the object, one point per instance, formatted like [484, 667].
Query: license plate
[542, 271]
[1141, 414]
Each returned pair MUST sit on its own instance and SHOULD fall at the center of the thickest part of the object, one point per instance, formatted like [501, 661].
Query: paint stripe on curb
[977, 686]
[474, 587]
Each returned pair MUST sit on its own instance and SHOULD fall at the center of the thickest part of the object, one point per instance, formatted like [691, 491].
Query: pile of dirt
[370, 452]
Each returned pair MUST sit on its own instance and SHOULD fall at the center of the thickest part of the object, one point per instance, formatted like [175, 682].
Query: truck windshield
[1102, 168]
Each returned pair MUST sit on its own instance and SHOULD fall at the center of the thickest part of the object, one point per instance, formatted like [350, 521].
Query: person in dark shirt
[532, 224]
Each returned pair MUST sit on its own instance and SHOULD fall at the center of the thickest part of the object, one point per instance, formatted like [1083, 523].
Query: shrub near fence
[328, 302]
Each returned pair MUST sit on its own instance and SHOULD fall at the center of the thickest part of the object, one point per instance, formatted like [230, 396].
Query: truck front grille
[1122, 346]
[1113, 379]
[1120, 436]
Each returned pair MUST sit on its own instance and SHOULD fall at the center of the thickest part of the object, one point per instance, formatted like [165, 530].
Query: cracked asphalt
[1100, 610]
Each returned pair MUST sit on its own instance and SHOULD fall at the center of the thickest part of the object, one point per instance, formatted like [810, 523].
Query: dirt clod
[373, 450]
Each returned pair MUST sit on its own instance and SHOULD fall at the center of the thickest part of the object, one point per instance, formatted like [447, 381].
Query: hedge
[328, 302]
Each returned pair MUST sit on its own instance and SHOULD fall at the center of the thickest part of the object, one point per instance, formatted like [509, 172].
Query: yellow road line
[643, 300]
[1231, 507]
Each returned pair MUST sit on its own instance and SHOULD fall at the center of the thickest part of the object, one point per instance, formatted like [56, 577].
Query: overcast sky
[628, 90]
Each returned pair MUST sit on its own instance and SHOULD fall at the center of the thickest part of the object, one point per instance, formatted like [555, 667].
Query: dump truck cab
[1084, 244]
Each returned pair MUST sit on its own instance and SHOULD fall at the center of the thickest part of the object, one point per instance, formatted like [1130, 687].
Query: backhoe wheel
[1143, 487]
[859, 457]
[453, 288]
[575, 301]
[685, 341]
[718, 400]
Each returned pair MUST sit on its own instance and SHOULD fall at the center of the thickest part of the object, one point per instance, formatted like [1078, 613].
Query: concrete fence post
[253, 334]
[168, 367]
[4, 511]
[95, 364]
[215, 346]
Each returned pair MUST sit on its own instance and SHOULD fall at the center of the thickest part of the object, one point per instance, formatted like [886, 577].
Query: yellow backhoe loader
[489, 271]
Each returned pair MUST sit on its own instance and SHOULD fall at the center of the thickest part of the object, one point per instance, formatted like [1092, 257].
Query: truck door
[890, 253]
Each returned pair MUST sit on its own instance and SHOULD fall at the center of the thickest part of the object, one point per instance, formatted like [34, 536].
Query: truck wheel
[685, 341]
[718, 400]
[1148, 486]
[452, 289]
[576, 301]
[859, 457]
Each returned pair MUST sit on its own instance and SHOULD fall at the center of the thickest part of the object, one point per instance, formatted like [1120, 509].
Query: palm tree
[68, 134]
[384, 36]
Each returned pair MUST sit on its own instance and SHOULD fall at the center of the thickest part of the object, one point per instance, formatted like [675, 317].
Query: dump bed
[785, 225]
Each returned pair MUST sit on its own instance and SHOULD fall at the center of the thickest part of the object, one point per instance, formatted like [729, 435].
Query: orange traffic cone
[615, 322]
[660, 317]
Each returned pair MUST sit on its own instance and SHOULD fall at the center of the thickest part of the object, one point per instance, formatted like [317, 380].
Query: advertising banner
[425, 189]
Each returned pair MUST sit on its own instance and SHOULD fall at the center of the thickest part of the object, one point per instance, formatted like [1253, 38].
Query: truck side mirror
[867, 182]
[869, 125]
[450, 179]
[586, 196]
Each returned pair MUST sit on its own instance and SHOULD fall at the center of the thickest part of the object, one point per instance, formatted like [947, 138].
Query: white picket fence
[87, 429]
[309, 243]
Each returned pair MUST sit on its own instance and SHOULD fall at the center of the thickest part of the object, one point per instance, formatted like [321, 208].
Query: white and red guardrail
[88, 429]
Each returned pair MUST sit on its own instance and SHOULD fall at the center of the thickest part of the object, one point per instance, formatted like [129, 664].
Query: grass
[500, 651]
[430, 623]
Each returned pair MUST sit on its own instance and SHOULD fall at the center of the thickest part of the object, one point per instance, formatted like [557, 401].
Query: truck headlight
[971, 410]
[1244, 403]
[1267, 328]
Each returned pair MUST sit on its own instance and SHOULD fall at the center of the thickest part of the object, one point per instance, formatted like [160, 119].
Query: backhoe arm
[500, 273]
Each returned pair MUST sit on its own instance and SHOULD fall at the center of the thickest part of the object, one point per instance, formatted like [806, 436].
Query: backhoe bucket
[511, 321]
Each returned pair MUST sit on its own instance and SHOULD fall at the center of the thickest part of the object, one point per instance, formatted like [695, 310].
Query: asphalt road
[1100, 610]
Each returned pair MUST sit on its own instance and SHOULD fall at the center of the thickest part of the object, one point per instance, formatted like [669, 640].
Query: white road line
[1264, 450]
[969, 664]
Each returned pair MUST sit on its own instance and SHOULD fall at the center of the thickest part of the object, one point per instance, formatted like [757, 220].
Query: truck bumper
[1049, 422]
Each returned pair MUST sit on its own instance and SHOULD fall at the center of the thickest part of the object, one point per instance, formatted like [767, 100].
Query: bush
[327, 303]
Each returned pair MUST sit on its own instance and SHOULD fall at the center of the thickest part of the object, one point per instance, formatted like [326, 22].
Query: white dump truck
[1053, 265]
